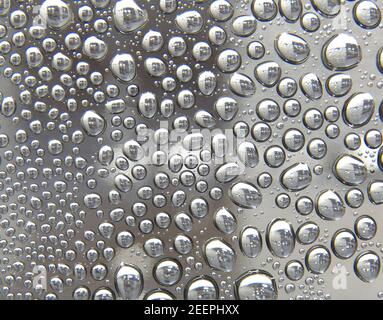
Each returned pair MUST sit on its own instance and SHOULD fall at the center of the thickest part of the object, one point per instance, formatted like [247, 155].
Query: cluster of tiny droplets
[289, 211]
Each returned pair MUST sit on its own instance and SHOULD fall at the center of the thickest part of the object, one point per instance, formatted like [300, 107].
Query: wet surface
[227, 149]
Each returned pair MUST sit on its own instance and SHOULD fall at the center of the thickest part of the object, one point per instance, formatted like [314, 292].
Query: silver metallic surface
[210, 149]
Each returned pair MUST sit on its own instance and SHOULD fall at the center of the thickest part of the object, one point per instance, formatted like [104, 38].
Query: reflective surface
[226, 149]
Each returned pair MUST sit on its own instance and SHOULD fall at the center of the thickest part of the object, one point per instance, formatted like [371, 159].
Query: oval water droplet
[297, 177]
[338, 85]
[242, 85]
[129, 282]
[268, 73]
[280, 238]
[329, 8]
[204, 119]
[350, 170]
[128, 16]
[148, 105]
[290, 9]
[225, 221]
[190, 22]
[251, 242]
[93, 123]
[228, 172]
[359, 109]
[375, 192]
[342, 52]
[256, 285]
[246, 195]
[207, 82]
[220, 255]
[292, 48]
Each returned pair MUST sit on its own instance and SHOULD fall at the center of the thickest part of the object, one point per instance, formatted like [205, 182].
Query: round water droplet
[202, 288]
[123, 67]
[318, 259]
[367, 14]
[256, 285]
[308, 233]
[264, 10]
[190, 22]
[330, 206]
[167, 272]
[294, 270]
[56, 13]
[344, 244]
[365, 227]
[367, 266]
